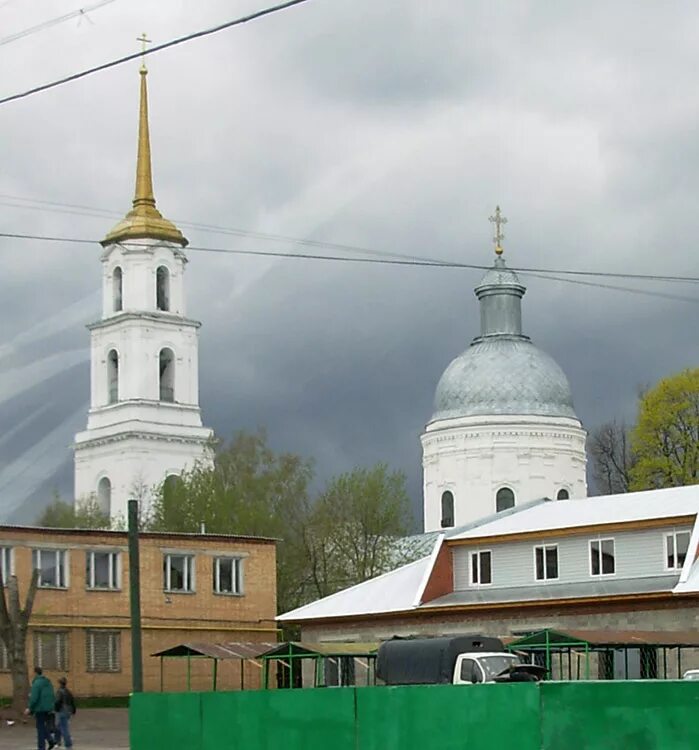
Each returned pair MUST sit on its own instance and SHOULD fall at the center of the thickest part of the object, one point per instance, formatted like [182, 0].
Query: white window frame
[188, 573]
[477, 553]
[673, 535]
[62, 567]
[7, 559]
[113, 659]
[546, 578]
[599, 541]
[114, 570]
[217, 575]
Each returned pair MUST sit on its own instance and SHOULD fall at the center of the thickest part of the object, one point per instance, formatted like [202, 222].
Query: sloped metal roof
[237, 650]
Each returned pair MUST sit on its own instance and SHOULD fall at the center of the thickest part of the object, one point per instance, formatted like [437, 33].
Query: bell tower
[144, 422]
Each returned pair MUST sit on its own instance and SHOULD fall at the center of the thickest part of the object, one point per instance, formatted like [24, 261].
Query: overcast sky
[395, 125]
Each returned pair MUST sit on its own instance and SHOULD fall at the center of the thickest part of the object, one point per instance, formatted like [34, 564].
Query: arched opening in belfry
[447, 509]
[112, 376]
[118, 289]
[504, 499]
[171, 486]
[104, 495]
[167, 375]
[162, 289]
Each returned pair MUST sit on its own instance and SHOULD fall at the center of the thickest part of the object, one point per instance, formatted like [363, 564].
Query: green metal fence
[529, 716]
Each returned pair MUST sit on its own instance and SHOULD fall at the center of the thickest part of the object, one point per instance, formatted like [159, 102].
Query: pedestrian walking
[65, 709]
[41, 705]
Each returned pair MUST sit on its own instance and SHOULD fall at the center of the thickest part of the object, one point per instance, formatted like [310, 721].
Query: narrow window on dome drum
[562, 494]
[504, 499]
[447, 509]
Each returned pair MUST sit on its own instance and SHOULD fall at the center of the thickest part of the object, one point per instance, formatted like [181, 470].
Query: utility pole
[135, 597]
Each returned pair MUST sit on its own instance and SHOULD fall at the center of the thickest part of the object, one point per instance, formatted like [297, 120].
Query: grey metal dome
[503, 375]
[502, 372]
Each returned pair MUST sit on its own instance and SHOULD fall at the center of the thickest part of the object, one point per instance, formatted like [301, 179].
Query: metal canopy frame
[551, 643]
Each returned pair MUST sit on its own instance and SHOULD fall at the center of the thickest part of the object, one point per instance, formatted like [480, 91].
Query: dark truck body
[428, 661]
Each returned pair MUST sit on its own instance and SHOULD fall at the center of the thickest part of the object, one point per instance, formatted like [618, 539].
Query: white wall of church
[474, 457]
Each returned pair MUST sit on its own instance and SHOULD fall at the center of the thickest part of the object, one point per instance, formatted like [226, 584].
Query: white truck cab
[470, 669]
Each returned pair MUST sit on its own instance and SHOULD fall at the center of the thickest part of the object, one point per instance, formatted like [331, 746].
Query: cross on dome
[499, 220]
[144, 41]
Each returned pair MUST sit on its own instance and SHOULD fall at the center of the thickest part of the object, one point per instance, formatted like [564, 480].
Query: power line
[52, 22]
[537, 273]
[94, 212]
[153, 50]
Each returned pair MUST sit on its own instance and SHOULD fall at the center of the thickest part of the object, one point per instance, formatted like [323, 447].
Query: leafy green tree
[250, 490]
[354, 527]
[665, 441]
[85, 514]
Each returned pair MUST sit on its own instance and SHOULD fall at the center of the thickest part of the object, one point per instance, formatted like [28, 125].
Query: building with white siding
[616, 562]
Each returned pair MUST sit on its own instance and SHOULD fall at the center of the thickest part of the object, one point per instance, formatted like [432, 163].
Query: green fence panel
[161, 721]
[635, 715]
[448, 717]
[308, 719]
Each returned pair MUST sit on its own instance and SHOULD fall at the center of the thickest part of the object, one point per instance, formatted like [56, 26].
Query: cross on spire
[144, 41]
[499, 220]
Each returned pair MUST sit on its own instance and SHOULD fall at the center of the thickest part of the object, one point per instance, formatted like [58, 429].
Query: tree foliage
[665, 441]
[84, 514]
[353, 526]
[611, 458]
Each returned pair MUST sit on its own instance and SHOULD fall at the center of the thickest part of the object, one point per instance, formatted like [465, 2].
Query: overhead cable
[152, 50]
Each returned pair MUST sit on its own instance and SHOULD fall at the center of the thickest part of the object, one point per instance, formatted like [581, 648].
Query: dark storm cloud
[392, 125]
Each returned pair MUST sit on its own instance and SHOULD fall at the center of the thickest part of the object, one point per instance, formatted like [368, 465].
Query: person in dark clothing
[65, 708]
[41, 706]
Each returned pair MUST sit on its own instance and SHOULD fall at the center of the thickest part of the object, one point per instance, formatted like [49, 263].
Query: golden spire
[499, 222]
[144, 221]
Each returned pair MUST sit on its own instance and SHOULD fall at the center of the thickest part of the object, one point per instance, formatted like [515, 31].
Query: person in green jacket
[41, 706]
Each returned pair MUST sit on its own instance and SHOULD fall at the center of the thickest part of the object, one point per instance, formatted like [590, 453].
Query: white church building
[504, 430]
[144, 422]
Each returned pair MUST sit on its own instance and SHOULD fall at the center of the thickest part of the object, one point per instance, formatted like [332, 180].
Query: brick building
[203, 587]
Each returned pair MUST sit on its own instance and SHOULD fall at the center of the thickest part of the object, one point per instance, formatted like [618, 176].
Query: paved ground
[92, 729]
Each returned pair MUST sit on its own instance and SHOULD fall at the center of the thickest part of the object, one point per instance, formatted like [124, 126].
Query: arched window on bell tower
[162, 289]
[104, 495]
[504, 499]
[167, 375]
[112, 376]
[447, 509]
[118, 289]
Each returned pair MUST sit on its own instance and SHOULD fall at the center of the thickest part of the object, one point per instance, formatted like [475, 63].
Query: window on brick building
[53, 570]
[228, 575]
[51, 650]
[676, 546]
[102, 570]
[481, 568]
[6, 563]
[546, 562]
[103, 650]
[178, 572]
